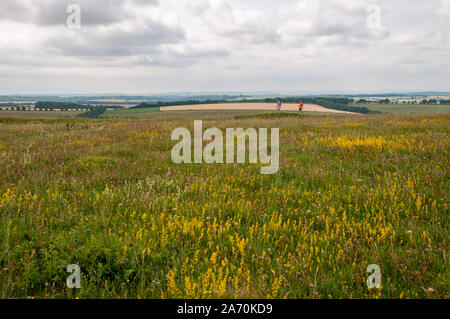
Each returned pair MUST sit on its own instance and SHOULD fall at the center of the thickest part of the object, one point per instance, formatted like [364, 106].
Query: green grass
[133, 111]
[39, 114]
[104, 194]
[153, 114]
[406, 108]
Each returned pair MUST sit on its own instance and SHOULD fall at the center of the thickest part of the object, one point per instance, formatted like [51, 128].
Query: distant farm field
[251, 106]
[407, 108]
[352, 191]
[212, 110]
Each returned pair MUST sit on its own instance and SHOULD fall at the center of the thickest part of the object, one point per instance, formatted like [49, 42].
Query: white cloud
[444, 8]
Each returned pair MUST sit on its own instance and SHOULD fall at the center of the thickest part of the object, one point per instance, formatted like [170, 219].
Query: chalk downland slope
[251, 106]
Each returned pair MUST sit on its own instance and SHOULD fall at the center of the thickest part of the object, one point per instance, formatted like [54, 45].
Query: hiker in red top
[300, 106]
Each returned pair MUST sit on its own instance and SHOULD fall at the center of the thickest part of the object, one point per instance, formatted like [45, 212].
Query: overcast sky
[153, 46]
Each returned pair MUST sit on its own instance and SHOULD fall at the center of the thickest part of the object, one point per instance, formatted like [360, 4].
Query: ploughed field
[352, 191]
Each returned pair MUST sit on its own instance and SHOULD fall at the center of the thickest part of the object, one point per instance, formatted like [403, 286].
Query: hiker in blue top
[278, 105]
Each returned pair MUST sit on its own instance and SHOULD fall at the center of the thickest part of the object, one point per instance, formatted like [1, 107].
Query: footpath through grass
[352, 191]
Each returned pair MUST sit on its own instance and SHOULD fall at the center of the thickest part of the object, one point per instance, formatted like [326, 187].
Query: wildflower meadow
[351, 191]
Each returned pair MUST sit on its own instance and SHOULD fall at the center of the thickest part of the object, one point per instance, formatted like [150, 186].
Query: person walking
[278, 105]
[300, 106]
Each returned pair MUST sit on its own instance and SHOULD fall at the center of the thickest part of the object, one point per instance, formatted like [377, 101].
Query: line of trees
[430, 101]
[176, 103]
[387, 101]
[364, 101]
[342, 104]
[18, 107]
[43, 105]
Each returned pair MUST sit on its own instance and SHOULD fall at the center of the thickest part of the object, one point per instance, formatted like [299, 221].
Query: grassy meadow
[133, 111]
[39, 114]
[155, 113]
[407, 108]
[352, 191]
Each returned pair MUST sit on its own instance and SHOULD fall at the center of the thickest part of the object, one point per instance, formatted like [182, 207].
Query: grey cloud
[92, 13]
[337, 20]
[54, 12]
[12, 10]
[115, 40]
[245, 26]
[199, 8]
[251, 35]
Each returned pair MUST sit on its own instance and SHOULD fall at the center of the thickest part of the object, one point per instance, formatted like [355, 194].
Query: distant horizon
[229, 93]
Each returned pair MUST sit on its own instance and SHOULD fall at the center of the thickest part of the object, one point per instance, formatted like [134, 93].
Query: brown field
[250, 106]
